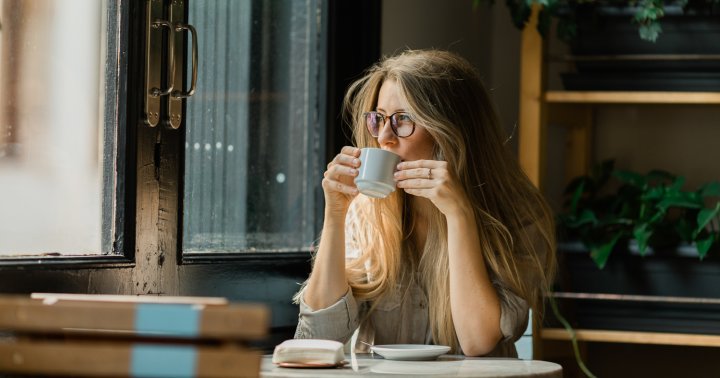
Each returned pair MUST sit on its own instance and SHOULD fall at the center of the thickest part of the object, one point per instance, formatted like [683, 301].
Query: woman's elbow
[480, 346]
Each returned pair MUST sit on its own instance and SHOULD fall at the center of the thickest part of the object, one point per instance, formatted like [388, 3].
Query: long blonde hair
[445, 95]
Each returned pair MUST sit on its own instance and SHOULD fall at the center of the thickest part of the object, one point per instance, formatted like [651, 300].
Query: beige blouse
[399, 319]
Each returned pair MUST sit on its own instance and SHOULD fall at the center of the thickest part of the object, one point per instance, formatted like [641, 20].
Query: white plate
[410, 352]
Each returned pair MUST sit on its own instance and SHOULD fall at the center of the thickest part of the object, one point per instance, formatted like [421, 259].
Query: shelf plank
[637, 298]
[632, 337]
[608, 97]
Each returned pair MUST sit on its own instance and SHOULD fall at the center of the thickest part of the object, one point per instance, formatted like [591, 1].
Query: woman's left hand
[431, 179]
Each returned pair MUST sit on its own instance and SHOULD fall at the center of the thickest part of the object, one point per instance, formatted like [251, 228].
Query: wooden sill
[658, 338]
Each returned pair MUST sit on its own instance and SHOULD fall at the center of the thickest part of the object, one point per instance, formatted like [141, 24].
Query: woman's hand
[432, 180]
[339, 180]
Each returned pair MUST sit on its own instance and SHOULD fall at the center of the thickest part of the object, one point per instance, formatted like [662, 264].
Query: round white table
[444, 366]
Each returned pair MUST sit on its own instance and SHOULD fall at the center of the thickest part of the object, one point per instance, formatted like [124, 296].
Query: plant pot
[610, 55]
[666, 290]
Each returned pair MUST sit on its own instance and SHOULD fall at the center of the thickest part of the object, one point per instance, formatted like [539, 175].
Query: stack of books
[129, 336]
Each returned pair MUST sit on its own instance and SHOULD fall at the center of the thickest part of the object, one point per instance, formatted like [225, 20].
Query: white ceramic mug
[375, 176]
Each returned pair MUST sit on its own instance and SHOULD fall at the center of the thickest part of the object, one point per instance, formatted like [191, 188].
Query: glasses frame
[393, 123]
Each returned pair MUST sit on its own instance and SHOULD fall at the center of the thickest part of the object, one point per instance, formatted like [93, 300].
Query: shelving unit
[634, 337]
[574, 109]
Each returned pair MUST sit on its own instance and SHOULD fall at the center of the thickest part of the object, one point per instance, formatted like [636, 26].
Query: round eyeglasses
[400, 122]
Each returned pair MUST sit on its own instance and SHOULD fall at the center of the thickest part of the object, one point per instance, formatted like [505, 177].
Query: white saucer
[410, 352]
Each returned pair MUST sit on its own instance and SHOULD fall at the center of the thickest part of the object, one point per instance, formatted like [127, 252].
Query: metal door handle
[193, 82]
[153, 67]
[155, 91]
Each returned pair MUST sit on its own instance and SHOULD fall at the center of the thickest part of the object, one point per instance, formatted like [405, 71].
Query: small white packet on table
[309, 353]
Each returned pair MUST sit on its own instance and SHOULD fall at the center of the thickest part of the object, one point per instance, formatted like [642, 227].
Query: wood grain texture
[633, 337]
[611, 97]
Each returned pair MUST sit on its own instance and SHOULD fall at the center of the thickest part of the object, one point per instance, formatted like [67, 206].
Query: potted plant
[645, 14]
[652, 209]
[607, 209]
[633, 44]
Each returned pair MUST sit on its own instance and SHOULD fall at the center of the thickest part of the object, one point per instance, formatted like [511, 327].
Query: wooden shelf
[607, 97]
[576, 110]
[633, 337]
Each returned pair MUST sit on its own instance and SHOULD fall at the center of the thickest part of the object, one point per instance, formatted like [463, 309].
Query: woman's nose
[386, 136]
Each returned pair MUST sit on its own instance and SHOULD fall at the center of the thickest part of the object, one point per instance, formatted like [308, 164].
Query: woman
[465, 246]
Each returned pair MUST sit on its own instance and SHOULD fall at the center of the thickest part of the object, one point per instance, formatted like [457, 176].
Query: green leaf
[601, 253]
[574, 183]
[711, 189]
[519, 12]
[703, 246]
[678, 184]
[687, 200]
[657, 216]
[655, 193]
[576, 197]
[650, 32]
[587, 217]
[705, 216]
[642, 234]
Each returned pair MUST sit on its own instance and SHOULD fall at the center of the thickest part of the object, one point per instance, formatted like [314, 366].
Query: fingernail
[356, 162]
[396, 174]
[399, 166]
[353, 171]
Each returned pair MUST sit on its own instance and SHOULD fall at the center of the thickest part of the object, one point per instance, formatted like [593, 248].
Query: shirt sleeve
[514, 309]
[339, 320]
[336, 322]
[514, 313]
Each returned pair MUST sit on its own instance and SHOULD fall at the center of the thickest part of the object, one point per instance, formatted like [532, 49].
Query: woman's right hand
[339, 180]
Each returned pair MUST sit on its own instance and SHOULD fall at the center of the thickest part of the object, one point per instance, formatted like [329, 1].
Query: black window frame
[150, 262]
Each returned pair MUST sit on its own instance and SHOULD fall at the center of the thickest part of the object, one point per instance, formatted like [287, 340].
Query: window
[56, 151]
[252, 184]
[255, 129]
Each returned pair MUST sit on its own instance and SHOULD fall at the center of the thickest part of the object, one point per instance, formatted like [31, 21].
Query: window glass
[51, 128]
[253, 128]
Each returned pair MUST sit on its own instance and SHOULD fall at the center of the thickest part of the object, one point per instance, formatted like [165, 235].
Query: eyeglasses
[400, 122]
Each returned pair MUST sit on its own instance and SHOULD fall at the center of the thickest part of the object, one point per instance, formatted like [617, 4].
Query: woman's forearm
[328, 283]
[474, 303]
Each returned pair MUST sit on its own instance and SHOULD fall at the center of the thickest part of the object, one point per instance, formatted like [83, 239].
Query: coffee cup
[375, 176]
